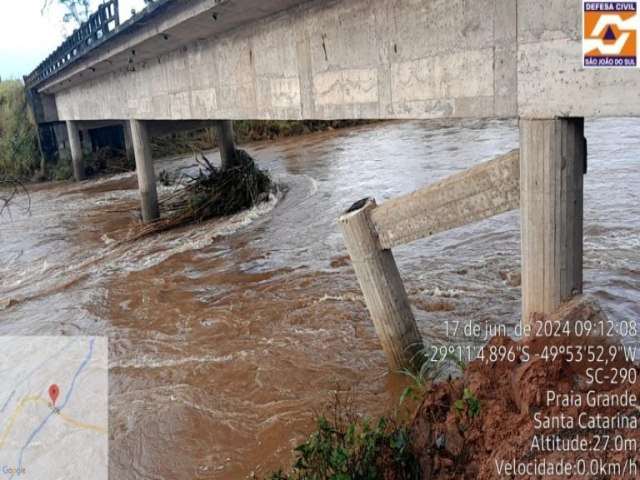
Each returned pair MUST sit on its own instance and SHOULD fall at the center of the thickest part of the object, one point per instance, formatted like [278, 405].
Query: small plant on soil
[421, 379]
[347, 447]
[467, 408]
[427, 372]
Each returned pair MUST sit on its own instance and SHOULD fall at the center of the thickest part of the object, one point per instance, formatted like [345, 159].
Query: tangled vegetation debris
[214, 192]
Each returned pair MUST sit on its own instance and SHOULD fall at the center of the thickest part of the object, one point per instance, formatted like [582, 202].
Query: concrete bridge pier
[145, 170]
[77, 156]
[128, 141]
[226, 143]
[553, 155]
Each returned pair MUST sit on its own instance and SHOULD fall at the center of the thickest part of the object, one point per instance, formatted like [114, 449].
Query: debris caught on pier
[214, 192]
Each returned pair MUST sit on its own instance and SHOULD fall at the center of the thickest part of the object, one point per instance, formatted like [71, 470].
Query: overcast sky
[27, 37]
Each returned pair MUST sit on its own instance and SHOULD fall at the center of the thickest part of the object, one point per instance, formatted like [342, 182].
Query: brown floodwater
[226, 337]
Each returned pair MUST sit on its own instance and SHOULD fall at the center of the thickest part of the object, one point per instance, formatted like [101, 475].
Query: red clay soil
[514, 401]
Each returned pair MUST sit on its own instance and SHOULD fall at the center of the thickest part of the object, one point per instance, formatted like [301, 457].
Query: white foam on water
[144, 254]
[145, 361]
[447, 293]
[350, 297]
[60, 268]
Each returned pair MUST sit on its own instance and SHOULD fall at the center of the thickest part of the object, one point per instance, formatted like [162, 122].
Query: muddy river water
[225, 337]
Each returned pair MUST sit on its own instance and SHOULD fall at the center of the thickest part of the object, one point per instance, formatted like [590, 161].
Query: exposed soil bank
[538, 414]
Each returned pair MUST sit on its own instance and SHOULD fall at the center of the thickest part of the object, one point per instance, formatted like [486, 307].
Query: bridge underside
[329, 59]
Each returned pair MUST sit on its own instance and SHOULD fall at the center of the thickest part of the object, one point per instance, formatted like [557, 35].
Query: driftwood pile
[214, 192]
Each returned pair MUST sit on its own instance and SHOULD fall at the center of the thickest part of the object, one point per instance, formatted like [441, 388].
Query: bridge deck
[291, 59]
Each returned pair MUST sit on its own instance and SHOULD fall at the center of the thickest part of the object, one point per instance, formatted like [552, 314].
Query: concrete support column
[226, 143]
[76, 150]
[145, 170]
[552, 164]
[128, 141]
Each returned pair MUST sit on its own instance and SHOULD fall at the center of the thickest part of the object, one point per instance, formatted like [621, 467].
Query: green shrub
[62, 170]
[245, 131]
[19, 155]
[347, 447]
[108, 160]
[180, 143]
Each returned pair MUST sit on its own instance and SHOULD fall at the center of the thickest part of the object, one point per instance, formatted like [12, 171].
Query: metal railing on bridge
[99, 26]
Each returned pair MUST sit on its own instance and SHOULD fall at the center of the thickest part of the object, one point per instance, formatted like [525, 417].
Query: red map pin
[54, 391]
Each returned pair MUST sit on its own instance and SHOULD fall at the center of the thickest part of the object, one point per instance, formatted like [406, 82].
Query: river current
[226, 337]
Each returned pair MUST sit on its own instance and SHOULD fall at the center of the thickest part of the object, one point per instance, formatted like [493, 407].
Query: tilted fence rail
[98, 27]
[371, 230]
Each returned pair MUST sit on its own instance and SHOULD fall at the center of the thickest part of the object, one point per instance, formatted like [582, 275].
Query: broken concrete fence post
[381, 286]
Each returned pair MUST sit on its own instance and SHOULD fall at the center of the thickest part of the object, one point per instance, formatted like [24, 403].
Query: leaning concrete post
[145, 171]
[381, 285]
[77, 157]
[552, 164]
[226, 143]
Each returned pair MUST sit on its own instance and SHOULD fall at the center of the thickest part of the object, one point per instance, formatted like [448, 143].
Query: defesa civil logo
[610, 34]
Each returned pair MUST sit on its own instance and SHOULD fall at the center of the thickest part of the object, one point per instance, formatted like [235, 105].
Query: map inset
[53, 407]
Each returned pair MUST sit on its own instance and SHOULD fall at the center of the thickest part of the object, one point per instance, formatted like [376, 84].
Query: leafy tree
[76, 11]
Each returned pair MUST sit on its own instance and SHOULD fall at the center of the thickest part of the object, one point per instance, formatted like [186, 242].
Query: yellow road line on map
[65, 418]
[86, 426]
[15, 416]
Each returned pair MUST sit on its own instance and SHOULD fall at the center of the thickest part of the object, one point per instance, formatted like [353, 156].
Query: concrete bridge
[180, 63]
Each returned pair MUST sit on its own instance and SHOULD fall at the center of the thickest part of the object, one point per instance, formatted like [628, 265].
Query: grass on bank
[19, 153]
[245, 131]
[103, 162]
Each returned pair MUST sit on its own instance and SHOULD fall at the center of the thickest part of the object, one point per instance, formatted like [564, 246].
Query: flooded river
[225, 337]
